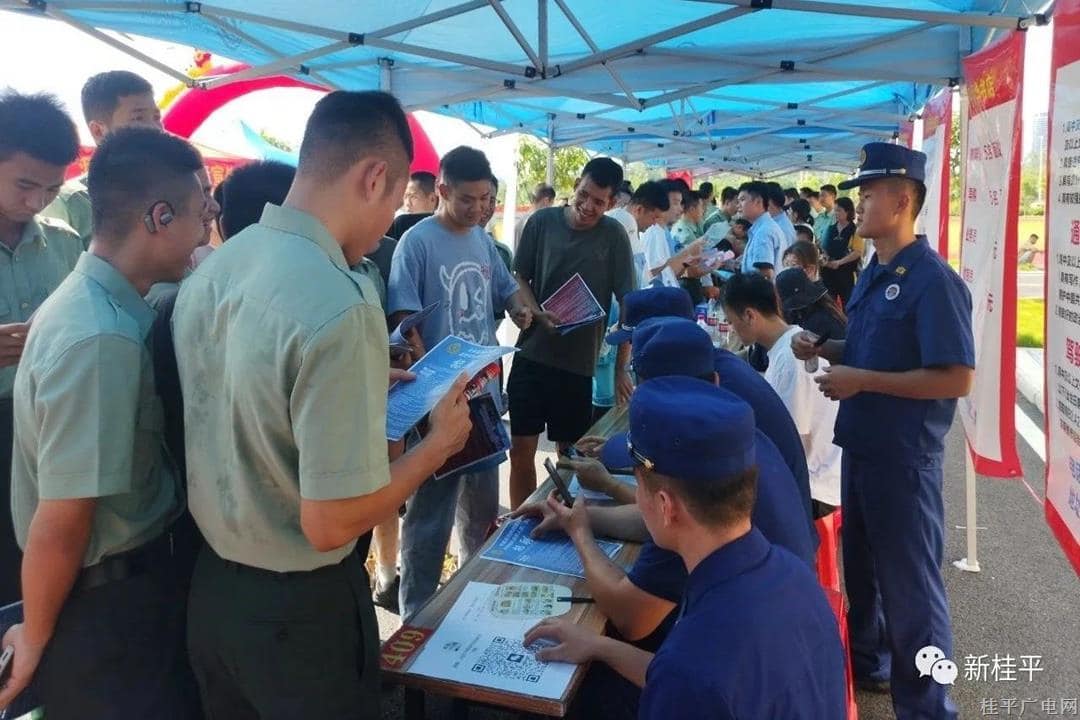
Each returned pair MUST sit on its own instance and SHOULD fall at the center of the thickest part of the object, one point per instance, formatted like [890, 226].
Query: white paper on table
[576, 489]
[476, 646]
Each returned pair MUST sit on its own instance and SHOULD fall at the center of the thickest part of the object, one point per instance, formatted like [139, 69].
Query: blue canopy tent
[759, 87]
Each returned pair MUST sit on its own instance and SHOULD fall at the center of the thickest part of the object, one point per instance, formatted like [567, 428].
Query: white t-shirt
[813, 413]
[637, 246]
[657, 253]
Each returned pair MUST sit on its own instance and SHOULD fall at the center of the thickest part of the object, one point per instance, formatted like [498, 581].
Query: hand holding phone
[560, 484]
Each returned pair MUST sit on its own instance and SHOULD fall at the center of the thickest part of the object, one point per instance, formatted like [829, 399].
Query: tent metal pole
[93, 32]
[895, 13]
[542, 32]
[595, 48]
[427, 19]
[276, 66]
[217, 22]
[508, 21]
[386, 80]
[460, 97]
[455, 58]
[970, 561]
[551, 151]
[641, 43]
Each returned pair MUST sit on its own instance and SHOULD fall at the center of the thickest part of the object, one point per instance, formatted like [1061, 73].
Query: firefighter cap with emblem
[880, 160]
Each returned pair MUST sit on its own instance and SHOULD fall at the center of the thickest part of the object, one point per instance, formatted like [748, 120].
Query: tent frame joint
[356, 38]
[761, 4]
[194, 8]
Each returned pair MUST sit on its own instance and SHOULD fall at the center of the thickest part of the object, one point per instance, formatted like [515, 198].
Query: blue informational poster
[409, 401]
[553, 552]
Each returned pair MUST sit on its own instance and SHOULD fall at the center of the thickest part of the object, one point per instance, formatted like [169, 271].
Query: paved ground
[1029, 284]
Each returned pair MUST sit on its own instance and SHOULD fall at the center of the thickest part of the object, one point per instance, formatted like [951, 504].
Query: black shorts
[541, 395]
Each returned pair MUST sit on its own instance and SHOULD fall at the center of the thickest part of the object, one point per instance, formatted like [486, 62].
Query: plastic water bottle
[701, 315]
[717, 324]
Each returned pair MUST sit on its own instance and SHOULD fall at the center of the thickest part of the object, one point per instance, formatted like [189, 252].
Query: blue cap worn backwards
[671, 346]
[880, 160]
[687, 429]
[641, 305]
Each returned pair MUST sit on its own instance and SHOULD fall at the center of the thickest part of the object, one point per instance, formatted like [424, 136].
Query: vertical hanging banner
[988, 250]
[1062, 360]
[937, 138]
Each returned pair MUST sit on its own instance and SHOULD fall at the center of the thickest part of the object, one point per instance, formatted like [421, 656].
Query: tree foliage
[532, 167]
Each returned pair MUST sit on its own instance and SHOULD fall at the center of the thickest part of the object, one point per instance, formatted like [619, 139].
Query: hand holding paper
[399, 337]
[572, 306]
[435, 372]
[450, 423]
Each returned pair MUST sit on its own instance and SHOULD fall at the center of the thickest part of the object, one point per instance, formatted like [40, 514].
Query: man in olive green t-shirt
[283, 359]
[37, 141]
[110, 101]
[93, 491]
[550, 383]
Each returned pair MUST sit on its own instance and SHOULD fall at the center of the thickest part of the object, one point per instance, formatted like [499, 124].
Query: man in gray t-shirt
[550, 384]
[448, 258]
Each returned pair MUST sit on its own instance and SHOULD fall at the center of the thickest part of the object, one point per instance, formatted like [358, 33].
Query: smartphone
[5, 664]
[573, 453]
[560, 484]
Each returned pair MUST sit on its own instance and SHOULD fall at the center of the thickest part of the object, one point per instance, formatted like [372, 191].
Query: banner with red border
[1062, 359]
[988, 249]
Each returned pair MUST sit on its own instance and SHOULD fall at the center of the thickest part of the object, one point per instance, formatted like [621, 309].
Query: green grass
[1029, 322]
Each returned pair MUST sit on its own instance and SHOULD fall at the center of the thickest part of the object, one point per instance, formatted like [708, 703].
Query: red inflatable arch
[195, 105]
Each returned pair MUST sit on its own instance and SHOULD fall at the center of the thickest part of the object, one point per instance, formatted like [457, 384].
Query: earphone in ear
[148, 220]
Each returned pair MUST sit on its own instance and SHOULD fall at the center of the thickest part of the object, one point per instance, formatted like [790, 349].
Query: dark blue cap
[641, 305]
[671, 346]
[687, 429]
[879, 160]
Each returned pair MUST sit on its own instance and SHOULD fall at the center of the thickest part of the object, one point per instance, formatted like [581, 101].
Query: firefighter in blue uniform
[908, 356]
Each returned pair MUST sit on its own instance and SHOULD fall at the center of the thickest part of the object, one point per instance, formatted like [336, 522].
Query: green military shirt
[72, 205]
[46, 253]
[282, 353]
[88, 422]
[368, 269]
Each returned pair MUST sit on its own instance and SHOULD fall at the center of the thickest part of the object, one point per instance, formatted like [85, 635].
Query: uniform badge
[901, 270]
[892, 292]
[862, 156]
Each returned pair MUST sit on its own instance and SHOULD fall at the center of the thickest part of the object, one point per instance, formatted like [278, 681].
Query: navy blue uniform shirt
[757, 639]
[913, 313]
[778, 514]
[771, 417]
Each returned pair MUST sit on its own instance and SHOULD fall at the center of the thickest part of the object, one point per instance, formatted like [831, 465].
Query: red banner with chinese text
[937, 138]
[1062, 359]
[988, 249]
[217, 167]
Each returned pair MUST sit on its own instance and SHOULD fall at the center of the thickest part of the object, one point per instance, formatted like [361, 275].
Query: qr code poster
[479, 642]
[507, 658]
[530, 600]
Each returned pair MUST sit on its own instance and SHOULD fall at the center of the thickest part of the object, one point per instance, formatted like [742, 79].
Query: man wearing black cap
[908, 357]
[748, 604]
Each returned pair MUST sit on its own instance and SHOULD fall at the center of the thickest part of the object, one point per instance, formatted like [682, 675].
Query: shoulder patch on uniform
[55, 223]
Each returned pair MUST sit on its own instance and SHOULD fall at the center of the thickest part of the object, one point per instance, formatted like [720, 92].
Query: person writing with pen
[747, 603]
[641, 604]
